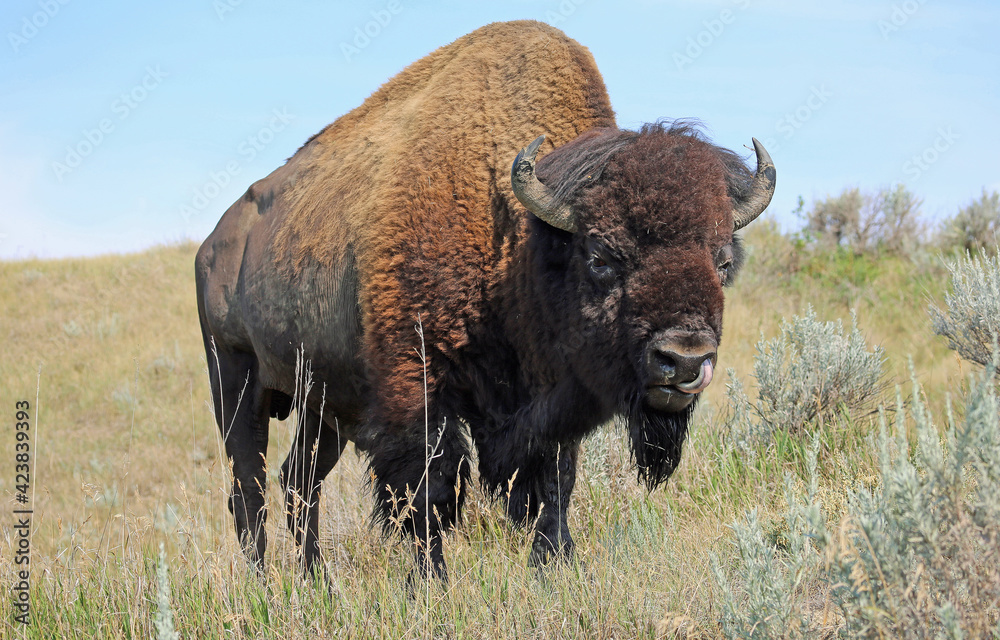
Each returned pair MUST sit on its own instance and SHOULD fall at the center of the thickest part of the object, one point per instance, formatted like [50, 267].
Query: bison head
[632, 243]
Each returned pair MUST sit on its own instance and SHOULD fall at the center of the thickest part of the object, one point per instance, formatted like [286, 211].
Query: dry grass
[128, 458]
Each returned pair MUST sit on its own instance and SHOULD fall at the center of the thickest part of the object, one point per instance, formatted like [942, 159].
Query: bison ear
[535, 196]
[747, 208]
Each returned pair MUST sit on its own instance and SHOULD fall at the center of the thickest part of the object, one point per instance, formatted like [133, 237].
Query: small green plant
[971, 318]
[807, 374]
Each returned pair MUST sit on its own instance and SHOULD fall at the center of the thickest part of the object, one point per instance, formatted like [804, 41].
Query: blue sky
[124, 125]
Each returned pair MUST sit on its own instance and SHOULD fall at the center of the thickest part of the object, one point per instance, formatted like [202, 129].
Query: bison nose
[689, 370]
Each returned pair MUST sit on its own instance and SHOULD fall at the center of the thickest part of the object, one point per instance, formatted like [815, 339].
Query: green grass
[128, 457]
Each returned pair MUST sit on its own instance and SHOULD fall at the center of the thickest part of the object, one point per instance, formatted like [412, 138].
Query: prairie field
[128, 460]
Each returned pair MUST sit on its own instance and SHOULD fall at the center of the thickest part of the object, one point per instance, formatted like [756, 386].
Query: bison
[441, 299]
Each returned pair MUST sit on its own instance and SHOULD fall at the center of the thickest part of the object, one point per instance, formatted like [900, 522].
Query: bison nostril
[666, 363]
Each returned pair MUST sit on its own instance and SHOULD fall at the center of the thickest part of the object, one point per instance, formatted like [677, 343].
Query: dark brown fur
[401, 214]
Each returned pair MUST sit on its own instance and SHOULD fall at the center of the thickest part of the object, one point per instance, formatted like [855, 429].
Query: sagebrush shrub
[808, 373]
[768, 594]
[920, 557]
[887, 220]
[974, 228]
[916, 557]
[971, 318]
[834, 220]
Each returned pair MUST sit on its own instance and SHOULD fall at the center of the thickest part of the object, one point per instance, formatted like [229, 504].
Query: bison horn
[753, 204]
[535, 196]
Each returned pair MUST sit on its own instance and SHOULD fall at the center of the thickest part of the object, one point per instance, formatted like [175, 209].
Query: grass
[128, 458]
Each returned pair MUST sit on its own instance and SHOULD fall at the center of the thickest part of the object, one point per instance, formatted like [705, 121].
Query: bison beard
[551, 304]
[656, 439]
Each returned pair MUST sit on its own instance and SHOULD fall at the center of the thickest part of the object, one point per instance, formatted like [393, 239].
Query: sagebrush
[973, 230]
[916, 556]
[808, 373]
[887, 220]
[971, 317]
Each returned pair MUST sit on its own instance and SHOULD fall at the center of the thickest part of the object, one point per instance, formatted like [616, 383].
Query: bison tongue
[700, 383]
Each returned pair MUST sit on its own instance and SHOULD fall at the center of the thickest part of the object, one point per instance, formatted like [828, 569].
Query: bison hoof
[545, 552]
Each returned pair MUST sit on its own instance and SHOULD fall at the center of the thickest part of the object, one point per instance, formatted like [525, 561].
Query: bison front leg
[315, 452]
[550, 488]
[242, 412]
[419, 486]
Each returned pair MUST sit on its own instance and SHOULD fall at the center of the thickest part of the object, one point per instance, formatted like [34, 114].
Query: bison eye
[600, 263]
[600, 266]
[602, 272]
[724, 270]
[725, 263]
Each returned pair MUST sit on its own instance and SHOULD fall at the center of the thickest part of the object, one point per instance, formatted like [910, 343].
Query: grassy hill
[128, 458]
